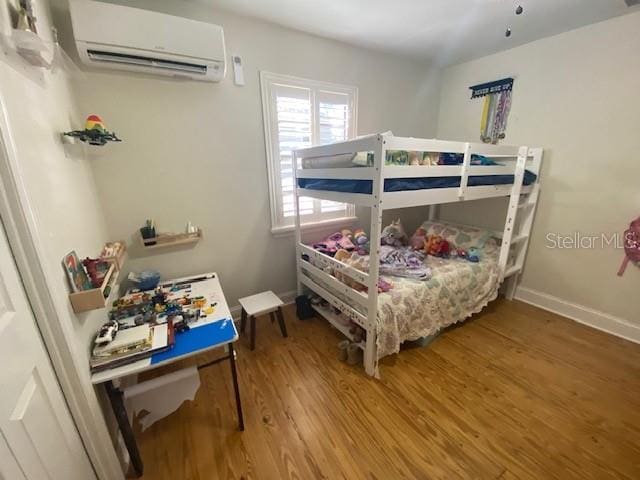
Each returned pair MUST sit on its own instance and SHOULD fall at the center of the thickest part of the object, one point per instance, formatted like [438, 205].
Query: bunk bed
[363, 172]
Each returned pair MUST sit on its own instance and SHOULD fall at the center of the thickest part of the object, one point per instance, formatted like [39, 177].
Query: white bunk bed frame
[363, 310]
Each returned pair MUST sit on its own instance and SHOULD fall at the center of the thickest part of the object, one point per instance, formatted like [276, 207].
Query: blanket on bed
[395, 261]
[456, 290]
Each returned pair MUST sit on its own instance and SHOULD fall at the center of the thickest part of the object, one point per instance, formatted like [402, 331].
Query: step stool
[261, 304]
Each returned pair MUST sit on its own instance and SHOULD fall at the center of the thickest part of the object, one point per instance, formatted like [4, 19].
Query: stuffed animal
[384, 286]
[416, 242]
[347, 234]
[430, 158]
[430, 244]
[361, 241]
[394, 235]
[344, 256]
[331, 244]
[415, 158]
[437, 246]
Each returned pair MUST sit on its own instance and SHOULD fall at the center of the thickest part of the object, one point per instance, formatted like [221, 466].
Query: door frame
[25, 242]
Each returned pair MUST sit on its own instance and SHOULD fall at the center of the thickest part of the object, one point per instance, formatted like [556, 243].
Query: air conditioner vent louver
[100, 56]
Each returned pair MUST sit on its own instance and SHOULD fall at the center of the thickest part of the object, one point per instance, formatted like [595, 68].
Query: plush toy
[415, 158]
[361, 241]
[384, 286]
[445, 248]
[473, 255]
[331, 244]
[416, 242]
[394, 235]
[430, 244]
[347, 234]
[431, 158]
[437, 246]
[344, 256]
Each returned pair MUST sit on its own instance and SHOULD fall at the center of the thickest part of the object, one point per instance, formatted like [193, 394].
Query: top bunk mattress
[405, 184]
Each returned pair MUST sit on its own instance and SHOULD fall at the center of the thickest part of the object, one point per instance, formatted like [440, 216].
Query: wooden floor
[515, 392]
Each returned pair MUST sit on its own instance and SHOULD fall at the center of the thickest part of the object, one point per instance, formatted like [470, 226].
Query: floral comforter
[415, 309]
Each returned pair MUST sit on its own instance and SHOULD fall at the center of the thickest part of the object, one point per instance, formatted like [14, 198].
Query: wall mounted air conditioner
[126, 38]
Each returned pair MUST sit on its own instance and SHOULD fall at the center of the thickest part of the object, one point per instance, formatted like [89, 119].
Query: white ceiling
[443, 31]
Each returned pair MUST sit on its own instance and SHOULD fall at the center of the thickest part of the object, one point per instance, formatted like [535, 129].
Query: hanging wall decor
[94, 133]
[495, 110]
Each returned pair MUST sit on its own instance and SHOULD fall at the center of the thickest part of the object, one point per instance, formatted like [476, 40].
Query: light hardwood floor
[515, 392]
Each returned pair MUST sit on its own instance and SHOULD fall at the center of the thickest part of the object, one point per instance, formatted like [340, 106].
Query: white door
[38, 438]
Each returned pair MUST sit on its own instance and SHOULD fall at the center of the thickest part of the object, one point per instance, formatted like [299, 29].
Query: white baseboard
[287, 297]
[585, 315]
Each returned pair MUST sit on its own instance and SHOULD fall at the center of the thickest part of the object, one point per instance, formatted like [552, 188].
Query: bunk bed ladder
[512, 212]
[520, 241]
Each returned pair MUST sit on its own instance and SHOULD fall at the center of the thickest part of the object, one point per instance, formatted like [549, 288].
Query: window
[299, 113]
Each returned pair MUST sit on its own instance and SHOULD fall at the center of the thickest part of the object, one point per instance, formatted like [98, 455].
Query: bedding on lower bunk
[404, 184]
[413, 309]
[451, 290]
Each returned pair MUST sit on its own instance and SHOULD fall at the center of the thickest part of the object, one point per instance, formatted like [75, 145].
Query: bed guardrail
[336, 284]
[350, 312]
[337, 266]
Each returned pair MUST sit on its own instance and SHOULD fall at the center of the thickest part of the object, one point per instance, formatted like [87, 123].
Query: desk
[215, 330]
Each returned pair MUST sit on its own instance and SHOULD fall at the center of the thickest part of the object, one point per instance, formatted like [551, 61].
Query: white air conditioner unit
[125, 38]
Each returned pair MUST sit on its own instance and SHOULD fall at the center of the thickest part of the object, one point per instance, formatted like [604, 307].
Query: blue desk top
[200, 338]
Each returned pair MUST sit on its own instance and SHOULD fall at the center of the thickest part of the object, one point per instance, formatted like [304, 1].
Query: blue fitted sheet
[403, 184]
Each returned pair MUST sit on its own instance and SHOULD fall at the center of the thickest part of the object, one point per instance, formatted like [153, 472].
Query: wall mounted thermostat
[238, 74]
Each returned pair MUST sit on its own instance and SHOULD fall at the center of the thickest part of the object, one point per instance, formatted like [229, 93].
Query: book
[78, 278]
[141, 343]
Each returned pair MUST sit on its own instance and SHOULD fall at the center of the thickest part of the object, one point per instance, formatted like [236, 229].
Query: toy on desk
[94, 132]
[199, 302]
[181, 322]
[139, 303]
[107, 333]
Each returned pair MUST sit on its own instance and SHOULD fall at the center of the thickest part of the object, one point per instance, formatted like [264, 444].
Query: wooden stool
[261, 304]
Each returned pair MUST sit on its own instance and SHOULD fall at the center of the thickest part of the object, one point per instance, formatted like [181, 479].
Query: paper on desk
[163, 395]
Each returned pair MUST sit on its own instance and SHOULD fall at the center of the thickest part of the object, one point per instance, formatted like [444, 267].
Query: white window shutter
[299, 113]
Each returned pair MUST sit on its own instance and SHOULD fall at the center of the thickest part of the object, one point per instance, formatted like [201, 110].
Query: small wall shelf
[94, 298]
[166, 240]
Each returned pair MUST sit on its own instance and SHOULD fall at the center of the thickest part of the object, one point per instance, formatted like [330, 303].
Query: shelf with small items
[150, 240]
[94, 280]
[165, 240]
[94, 298]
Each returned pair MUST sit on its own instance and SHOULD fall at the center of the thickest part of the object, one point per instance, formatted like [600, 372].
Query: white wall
[195, 151]
[62, 196]
[576, 95]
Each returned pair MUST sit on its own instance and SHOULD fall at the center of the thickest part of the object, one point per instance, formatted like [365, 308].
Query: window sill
[315, 226]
